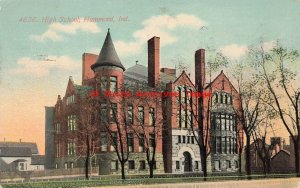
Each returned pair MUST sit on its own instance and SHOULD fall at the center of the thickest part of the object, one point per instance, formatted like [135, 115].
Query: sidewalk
[269, 183]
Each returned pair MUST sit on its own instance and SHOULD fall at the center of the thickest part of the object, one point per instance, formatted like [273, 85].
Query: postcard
[150, 93]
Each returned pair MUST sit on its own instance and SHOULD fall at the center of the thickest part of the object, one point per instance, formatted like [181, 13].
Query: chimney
[200, 67]
[87, 60]
[153, 62]
[20, 140]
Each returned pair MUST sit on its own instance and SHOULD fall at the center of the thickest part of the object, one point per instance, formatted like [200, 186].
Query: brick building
[281, 156]
[176, 148]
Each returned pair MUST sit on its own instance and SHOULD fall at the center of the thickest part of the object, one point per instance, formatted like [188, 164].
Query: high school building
[170, 122]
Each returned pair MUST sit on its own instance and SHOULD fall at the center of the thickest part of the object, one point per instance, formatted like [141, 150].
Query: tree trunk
[123, 170]
[248, 157]
[87, 158]
[240, 162]
[204, 165]
[296, 149]
[151, 170]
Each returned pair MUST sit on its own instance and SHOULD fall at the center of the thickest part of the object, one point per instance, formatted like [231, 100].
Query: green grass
[134, 181]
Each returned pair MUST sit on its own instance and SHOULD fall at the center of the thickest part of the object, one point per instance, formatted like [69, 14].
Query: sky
[42, 42]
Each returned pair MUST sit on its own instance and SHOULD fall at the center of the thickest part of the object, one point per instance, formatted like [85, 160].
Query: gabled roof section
[31, 145]
[108, 55]
[217, 77]
[183, 75]
[283, 151]
[15, 152]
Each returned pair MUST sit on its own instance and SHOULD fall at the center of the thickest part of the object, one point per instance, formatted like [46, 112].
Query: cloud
[267, 46]
[234, 51]
[161, 26]
[56, 30]
[41, 68]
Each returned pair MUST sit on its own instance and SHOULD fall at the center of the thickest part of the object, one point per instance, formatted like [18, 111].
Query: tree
[201, 109]
[148, 132]
[274, 70]
[249, 110]
[115, 123]
[87, 133]
[262, 149]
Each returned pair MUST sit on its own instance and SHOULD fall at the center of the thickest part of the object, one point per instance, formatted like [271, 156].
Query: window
[57, 128]
[58, 150]
[114, 165]
[223, 145]
[114, 141]
[130, 142]
[223, 122]
[227, 145]
[103, 112]
[56, 165]
[188, 139]
[142, 165]
[141, 114]
[177, 165]
[103, 82]
[236, 164]
[113, 112]
[179, 138]
[218, 144]
[141, 143]
[152, 141]
[179, 118]
[218, 122]
[131, 165]
[217, 165]
[71, 148]
[192, 138]
[103, 141]
[190, 119]
[151, 116]
[183, 139]
[232, 145]
[71, 122]
[215, 98]
[196, 165]
[71, 165]
[113, 84]
[70, 99]
[228, 164]
[66, 165]
[22, 166]
[184, 118]
[213, 144]
[130, 114]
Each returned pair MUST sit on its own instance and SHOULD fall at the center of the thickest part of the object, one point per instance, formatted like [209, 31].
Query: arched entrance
[187, 162]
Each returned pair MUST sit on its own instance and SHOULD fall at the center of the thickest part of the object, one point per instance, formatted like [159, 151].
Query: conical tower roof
[108, 55]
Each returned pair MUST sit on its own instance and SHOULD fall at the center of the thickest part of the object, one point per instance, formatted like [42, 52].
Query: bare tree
[262, 149]
[249, 111]
[200, 107]
[151, 132]
[115, 123]
[274, 69]
[87, 133]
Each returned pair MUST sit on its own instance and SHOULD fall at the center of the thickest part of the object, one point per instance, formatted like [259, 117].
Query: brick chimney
[153, 62]
[87, 60]
[200, 67]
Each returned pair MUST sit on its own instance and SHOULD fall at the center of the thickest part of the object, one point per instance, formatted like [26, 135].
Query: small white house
[16, 156]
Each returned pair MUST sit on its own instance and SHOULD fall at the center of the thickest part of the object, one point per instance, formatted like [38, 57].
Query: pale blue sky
[28, 83]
